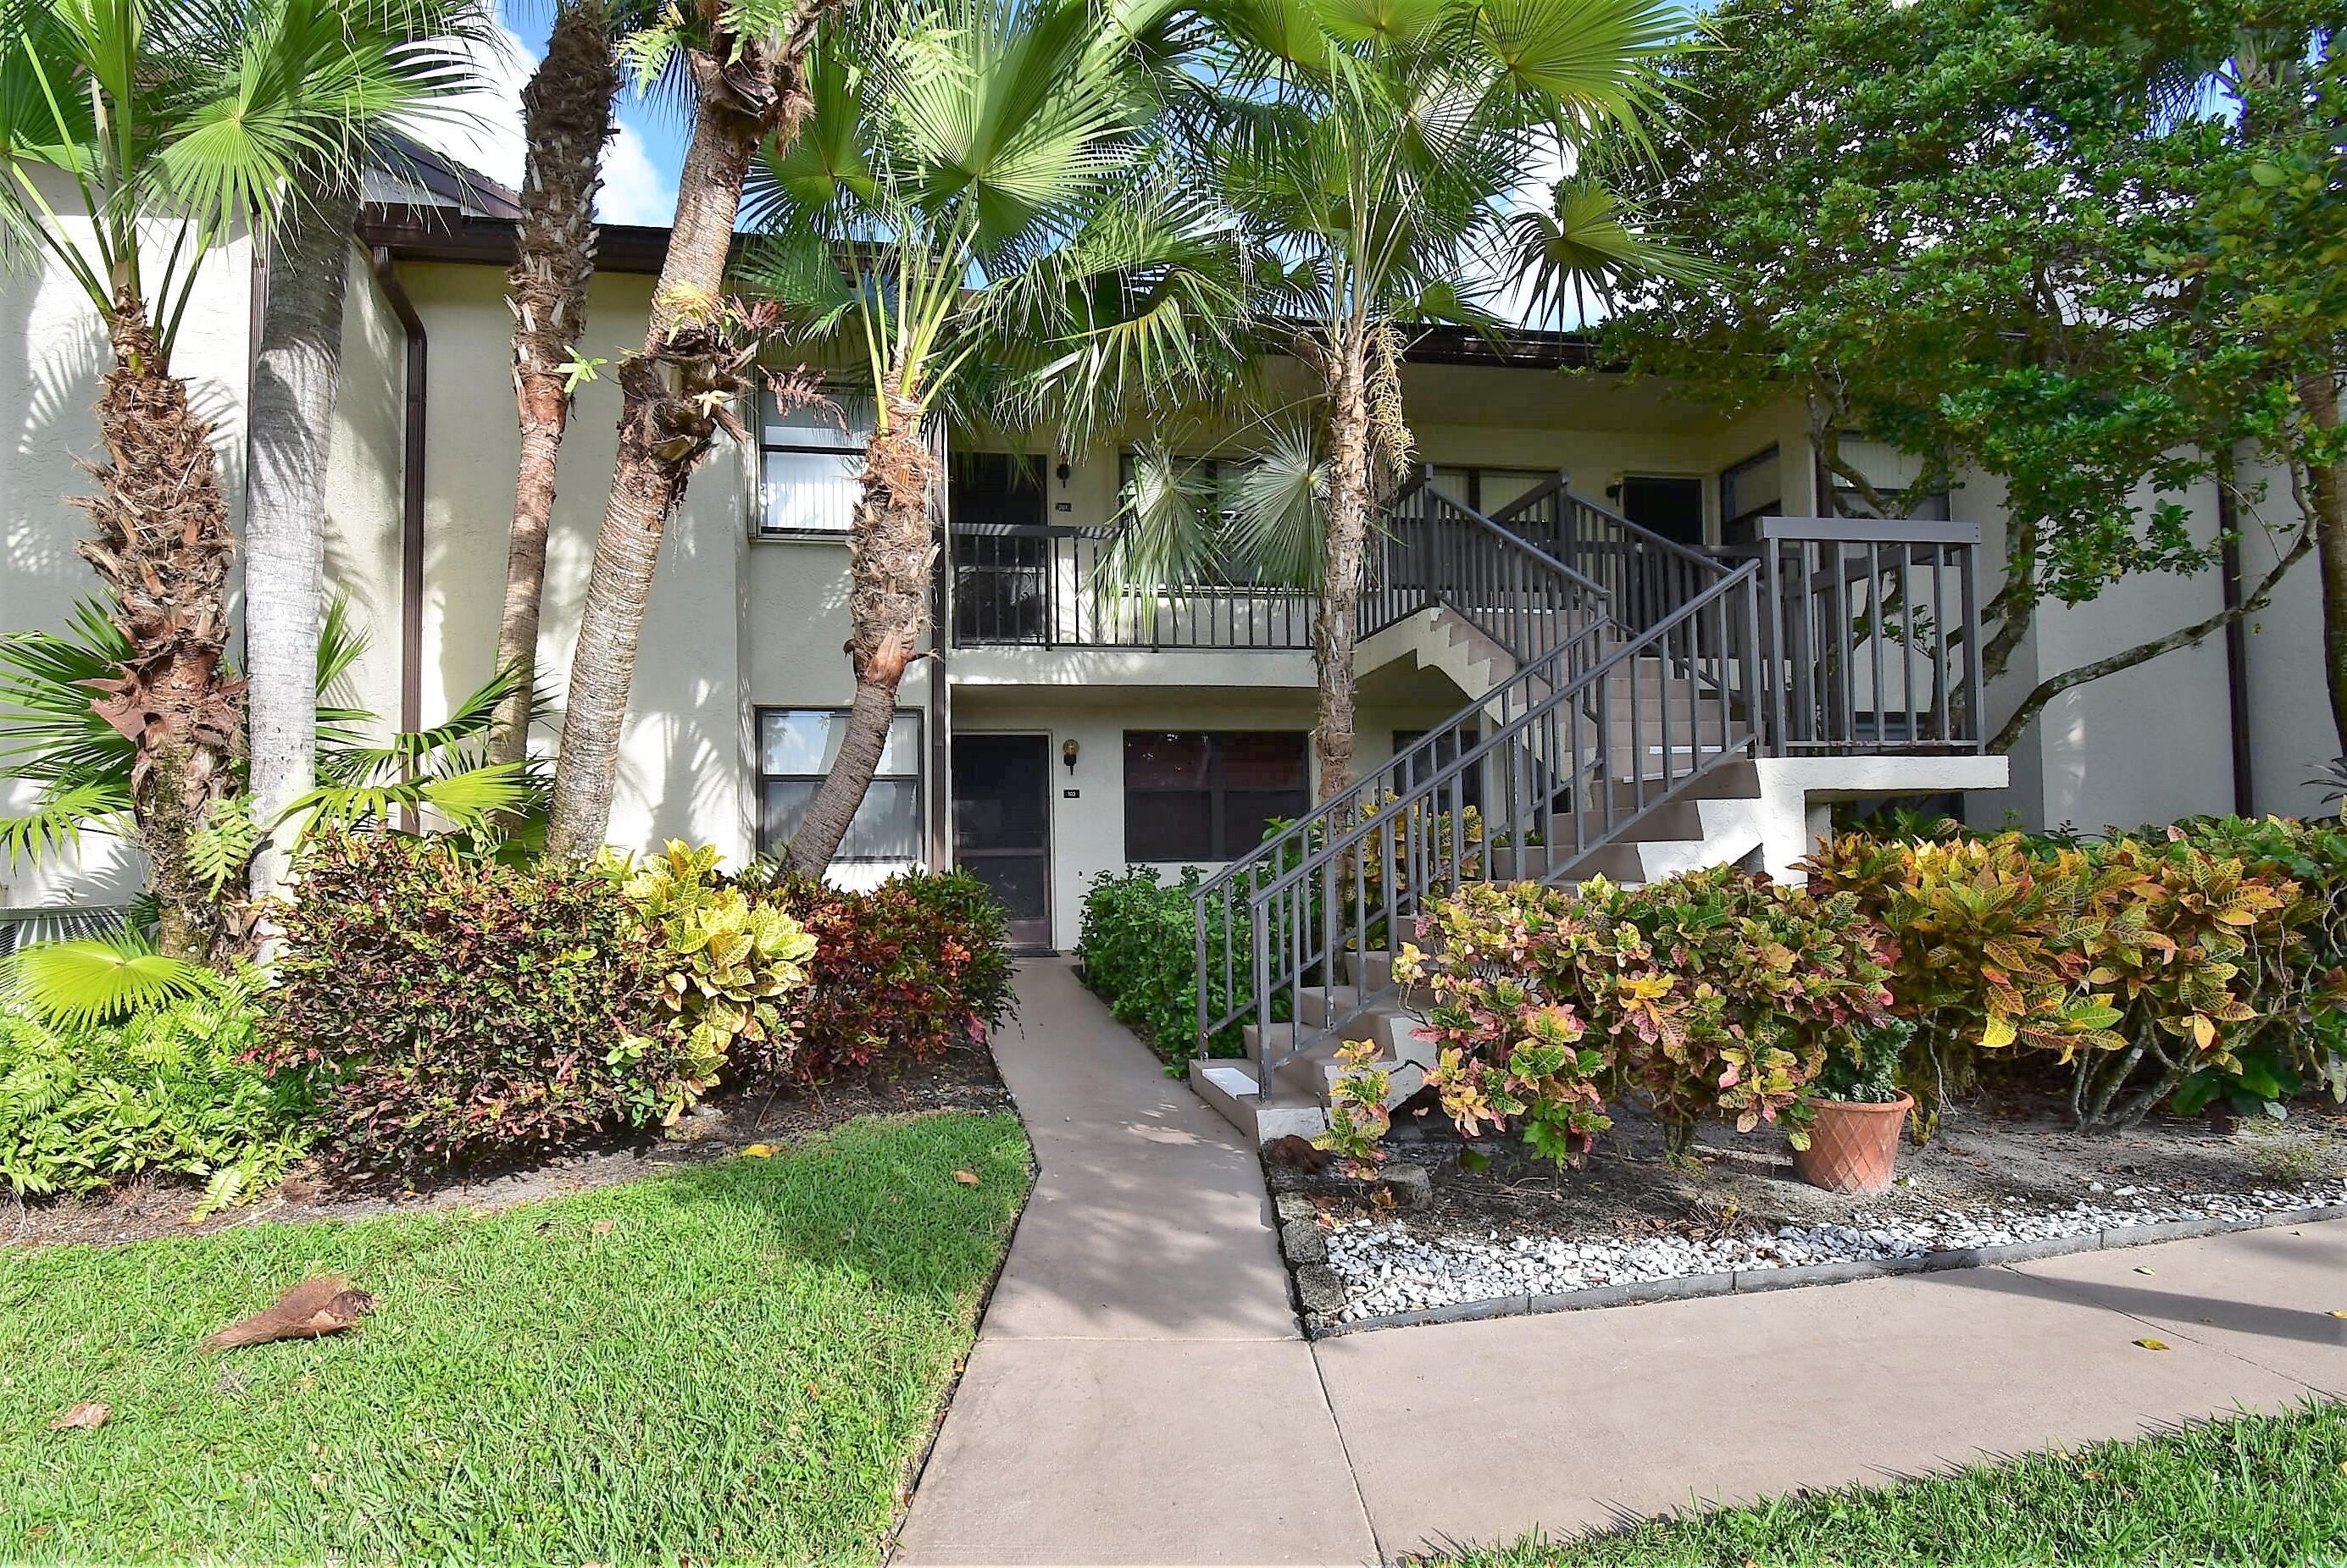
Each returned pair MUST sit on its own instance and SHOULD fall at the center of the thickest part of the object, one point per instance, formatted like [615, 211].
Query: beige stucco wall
[684, 751]
[1088, 832]
[363, 471]
[53, 350]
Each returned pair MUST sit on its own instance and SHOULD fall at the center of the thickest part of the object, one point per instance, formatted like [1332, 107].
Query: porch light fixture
[1064, 471]
[1068, 751]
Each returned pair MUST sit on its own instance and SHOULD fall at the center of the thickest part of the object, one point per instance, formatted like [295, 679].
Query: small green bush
[445, 1007]
[166, 1089]
[917, 964]
[1138, 945]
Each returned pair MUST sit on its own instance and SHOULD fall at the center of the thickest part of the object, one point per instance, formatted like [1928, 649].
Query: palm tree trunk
[1338, 627]
[2326, 485]
[163, 548]
[676, 395]
[894, 553]
[291, 423]
[565, 120]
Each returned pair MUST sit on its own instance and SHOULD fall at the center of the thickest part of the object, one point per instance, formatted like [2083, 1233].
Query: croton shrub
[442, 1006]
[1714, 991]
[2169, 966]
[899, 973]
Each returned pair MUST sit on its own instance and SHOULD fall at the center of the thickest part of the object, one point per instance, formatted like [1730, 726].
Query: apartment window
[1488, 490]
[1750, 491]
[1206, 794]
[1896, 476]
[796, 747]
[810, 463]
[1445, 751]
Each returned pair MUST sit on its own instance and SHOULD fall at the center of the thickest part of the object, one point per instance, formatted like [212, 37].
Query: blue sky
[639, 164]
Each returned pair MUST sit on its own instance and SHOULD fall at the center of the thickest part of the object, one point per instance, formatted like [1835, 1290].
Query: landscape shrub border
[443, 1007]
[2200, 960]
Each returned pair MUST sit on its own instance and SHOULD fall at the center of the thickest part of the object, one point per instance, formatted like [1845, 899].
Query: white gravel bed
[1387, 1269]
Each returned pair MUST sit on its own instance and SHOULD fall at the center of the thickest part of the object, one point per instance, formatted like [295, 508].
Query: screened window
[810, 462]
[1897, 476]
[796, 747]
[1489, 490]
[1751, 490]
[1207, 794]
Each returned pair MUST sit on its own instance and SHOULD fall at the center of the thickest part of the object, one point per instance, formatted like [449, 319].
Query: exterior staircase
[1624, 692]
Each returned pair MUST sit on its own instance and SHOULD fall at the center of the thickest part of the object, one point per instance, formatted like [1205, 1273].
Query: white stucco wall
[52, 351]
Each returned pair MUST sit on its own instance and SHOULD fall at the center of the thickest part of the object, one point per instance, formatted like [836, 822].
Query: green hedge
[1139, 950]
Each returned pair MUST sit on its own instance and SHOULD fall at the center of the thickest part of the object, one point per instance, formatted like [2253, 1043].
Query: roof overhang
[446, 234]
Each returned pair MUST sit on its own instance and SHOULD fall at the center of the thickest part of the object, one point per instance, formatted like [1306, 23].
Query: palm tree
[402, 57]
[744, 60]
[193, 117]
[1371, 150]
[974, 221]
[566, 119]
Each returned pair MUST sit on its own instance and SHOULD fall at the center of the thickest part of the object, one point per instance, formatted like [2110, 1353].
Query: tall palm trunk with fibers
[894, 552]
[291, 421]
[565, 120]
[1349, 502]
[163, 548]
[676, 396]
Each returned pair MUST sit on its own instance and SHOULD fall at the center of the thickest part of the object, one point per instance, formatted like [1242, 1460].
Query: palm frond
[1169, 538]
[1279, 509]
[59, 818]
[73, 985]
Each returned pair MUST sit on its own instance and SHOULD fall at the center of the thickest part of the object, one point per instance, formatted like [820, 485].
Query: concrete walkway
[1141, 1392]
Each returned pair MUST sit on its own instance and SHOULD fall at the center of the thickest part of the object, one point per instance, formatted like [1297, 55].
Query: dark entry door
[1002, 826]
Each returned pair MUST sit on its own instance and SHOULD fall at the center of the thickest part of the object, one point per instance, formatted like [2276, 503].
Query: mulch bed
[2014, 1148]
[143, 1209]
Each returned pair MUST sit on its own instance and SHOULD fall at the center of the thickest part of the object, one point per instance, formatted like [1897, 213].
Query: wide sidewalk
[1141, 1392]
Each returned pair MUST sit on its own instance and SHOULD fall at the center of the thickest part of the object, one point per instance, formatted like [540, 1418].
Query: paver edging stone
[1842, 1271]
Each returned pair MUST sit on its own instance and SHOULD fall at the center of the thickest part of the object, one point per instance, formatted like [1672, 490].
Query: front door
[1002, 826]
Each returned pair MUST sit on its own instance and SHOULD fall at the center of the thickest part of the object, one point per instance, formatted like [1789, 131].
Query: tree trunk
[894, 552]
[2327, 513]
[292, 424]
[163, 548]
[1338, 627]
[565, 120]
[676, 393]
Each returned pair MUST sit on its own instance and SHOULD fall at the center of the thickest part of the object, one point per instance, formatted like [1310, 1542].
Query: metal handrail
[1404, 838]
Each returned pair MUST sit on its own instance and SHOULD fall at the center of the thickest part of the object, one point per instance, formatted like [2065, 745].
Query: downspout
[411, 504]
[2236, 645]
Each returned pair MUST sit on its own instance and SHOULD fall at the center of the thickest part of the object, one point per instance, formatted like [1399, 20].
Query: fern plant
[168, 1090]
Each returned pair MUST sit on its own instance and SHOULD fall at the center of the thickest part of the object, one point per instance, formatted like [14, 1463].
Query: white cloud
[635, 190]
[482, 127]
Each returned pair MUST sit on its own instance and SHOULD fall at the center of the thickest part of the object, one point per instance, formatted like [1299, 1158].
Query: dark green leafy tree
[2009, 238]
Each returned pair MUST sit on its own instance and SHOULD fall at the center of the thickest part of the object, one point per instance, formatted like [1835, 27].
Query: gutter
[411, 500]
[2236, 649]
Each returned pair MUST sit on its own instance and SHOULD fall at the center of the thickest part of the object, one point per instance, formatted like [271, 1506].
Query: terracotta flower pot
[1853, 1146]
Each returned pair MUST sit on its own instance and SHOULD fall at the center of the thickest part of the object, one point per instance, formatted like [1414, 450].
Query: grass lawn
[2253, 1488]
[730, 1363]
